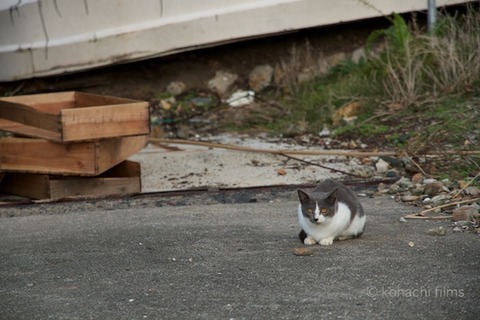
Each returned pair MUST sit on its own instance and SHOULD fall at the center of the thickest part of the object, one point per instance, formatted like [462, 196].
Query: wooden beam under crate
[124, 178]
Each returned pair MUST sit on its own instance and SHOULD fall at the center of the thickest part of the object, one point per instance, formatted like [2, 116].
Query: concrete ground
[190, 166]
[148, 259]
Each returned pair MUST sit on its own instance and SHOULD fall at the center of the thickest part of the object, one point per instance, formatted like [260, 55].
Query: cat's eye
[324, 210]
[309, 211]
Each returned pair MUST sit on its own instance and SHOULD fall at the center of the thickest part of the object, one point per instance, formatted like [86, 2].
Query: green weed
[420, 93]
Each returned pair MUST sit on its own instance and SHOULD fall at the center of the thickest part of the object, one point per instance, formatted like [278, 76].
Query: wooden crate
[81, 158]
[73, 116]
[125, 178]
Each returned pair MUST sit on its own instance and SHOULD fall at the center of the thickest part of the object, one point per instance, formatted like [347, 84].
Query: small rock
[409, 198]
[167, 103]
[411, 244]
[278, 75]
[457, 229]
[472, 191]
[222, 83]
[206, 101]
[381, 166]
[462, 184]
[464, 224]
[324, 133]
[394, 162]
[394, 189]
[335, 58]
[176, 88]
[418, 191]
[381, 187]
[281, 172]
[358, 54]
[464, 213]
[427, 201]
[391, 174]
[417, 178]
[435, 188]
[302, 251]
[260, 77]
[440, 231]
[402, 220]
[440, 199]
[307, 74]
[363, 171]
[405, 183]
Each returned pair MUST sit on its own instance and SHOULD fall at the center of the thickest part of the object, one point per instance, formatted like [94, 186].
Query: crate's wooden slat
[83, 158]
[28, 116]
[105, 121]
[85, 100]
[36, 155]
[114, 151]
[18, 128]
[46, 102]
[73, 116]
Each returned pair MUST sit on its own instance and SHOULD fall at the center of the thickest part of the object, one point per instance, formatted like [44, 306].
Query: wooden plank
[105, 121]
[21, 113]
[83, 158]
[85, 100]
[124, 178]
[73, 116]
[34, 186]
[51, 103]
[42, 156]
[113, 151]
[93, 187]
[19, 128]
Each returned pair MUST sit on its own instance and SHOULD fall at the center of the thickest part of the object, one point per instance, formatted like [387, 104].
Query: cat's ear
[303, 196]
[332, 197]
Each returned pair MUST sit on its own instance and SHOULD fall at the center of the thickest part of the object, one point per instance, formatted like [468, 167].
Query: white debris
[240, 98]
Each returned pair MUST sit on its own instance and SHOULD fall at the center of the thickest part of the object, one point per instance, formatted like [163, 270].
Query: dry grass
[419, 67]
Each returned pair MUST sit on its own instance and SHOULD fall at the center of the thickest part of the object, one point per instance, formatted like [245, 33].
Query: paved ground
[144, 259]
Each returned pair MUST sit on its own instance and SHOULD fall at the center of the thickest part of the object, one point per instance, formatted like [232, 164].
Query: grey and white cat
[330, 211]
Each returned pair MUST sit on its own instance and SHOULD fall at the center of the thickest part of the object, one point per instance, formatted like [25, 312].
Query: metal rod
[432, 15]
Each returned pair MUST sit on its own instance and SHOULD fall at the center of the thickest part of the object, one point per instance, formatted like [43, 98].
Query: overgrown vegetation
[420, 93]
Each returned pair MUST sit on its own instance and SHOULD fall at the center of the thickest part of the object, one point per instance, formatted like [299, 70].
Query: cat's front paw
[309, 241]
[326, 241]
